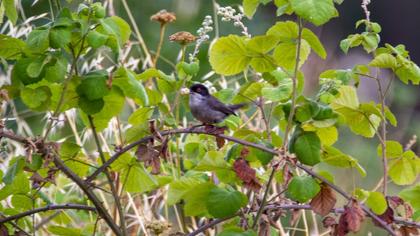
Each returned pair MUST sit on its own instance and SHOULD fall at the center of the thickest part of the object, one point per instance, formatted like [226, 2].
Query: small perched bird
[208, 109]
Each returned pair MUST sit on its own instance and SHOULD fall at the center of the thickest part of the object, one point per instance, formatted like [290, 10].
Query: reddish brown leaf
[246, 174]
[220, 142]
[244, 152]
[408, 231]
[387, 216]
[150, 156]
[287, 175]
[329, 221]
[395, 201]
[3, 230]
[324, 201]
[351, 219]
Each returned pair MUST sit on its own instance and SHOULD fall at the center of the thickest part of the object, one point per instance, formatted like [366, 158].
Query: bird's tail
[237, 106]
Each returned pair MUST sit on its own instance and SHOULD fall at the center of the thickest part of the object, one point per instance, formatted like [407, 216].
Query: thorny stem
[108, 176]
[161, 36]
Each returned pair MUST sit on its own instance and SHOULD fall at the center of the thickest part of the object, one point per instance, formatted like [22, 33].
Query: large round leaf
[222, 202]
[302, 188]
[228, 56]
[307, 148]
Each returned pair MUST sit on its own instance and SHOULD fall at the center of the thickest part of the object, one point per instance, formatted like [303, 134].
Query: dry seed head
[163, 17]
[182, 37]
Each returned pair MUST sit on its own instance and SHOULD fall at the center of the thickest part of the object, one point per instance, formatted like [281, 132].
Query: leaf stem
[161, 36]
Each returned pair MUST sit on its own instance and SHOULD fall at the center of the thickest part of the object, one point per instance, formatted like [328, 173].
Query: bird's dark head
[200, 89]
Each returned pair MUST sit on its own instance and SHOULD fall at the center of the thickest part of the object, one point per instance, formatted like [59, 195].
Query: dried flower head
[163, 17]
[182, 37]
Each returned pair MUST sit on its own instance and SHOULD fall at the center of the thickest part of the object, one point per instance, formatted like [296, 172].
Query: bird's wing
[215, 104]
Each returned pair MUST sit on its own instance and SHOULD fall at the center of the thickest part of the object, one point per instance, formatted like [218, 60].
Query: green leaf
[11, 10]
[250, 6]
[412, 195]
[236, 232]
[229, 56]
[56, 72]
[36, 99]
[409, 71]
[223, 202]
[64, 231]
[285, 54]
[90, 107]
[196, 198]
[113, 105]
[127, 82]
[377, 202]
[307, 148]
[60, 37]
[335, 157]
[93, 86]
[327, 135]
[347, 98]
[141, 115]
[178, 188]
[302, 188]
[285, 31]
[404, 170]
[137, 179]
[38, 40]
[19, 72]
[279, 93]
[96, 39]
[393, 149]
[69, 149]
[213, 161]
[262, 43]
[351, 41]
[314, 42]
[317, 12]
[11, 48]
[15, 167]
[370, 41]
[384, 60]
[264, 63]
[116, 27]
[22, 202]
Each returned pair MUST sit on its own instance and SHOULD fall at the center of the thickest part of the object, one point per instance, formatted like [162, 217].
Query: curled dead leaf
[246, 174]
[324, 201]
[351, 219]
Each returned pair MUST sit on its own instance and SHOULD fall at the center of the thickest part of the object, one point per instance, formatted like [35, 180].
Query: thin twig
[47, 208]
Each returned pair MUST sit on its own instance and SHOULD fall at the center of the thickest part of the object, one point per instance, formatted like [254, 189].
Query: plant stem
[161, 36]
[383, 136]
[108, 176]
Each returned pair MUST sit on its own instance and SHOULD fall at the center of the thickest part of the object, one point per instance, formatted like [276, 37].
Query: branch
[47, 208]
[201, 130]
[213, 223]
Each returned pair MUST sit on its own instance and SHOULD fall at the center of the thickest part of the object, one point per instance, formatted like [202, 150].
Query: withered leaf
[408, 231]
[246, 174]
[220, 142]
[150, 156]
[3, 230]
[329, 221]
[351, 219]
[324, 201]
[387, 216]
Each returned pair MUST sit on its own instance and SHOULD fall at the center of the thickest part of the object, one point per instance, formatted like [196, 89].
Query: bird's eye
[198, 90]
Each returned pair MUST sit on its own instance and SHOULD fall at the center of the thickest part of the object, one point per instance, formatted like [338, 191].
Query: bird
[208, 109]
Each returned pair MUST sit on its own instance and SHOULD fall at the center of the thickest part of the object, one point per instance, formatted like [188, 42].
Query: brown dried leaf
[220, 142]
[329, 221]
[246, 174]
[351, 219]
[324, 201]
[407, 231]
[150, 156]
[3, 230]
[387, 216]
